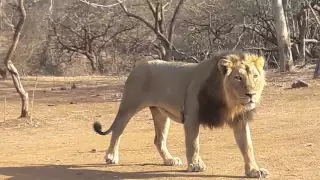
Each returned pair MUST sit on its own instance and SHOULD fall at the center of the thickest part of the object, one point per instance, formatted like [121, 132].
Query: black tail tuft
[98, 129]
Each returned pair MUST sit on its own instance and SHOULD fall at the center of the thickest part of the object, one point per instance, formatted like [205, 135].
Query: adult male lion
[218, 91]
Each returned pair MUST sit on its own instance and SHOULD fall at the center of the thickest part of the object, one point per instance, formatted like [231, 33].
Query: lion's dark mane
[213, 111]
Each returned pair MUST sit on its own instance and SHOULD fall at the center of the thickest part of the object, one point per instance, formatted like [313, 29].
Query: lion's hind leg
[162, 125]
[125, 113]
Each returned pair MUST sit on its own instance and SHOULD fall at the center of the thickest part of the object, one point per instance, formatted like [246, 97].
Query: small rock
[51, 104]
[63, 88]
[73, 86]
[299, 84]
[93, 150]
[73, 102]
[54, 89]
[308, 144]
[96, 95]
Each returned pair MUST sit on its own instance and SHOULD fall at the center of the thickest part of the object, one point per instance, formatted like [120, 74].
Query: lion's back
[161, 70]
[158, 81]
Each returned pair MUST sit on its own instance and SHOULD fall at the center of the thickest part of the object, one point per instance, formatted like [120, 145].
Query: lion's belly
[171, 113]
[168, 102]
[168, 106]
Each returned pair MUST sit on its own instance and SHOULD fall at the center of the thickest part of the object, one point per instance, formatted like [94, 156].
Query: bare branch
[314, 14]
[51, 6]
[173, 20]
[114, 35]
[70, 48]
[99, 5]
[239, 39]
[136, 16]
[192, 57]
[162, 20]
[157, 21]
[166, 5]
[152, 8]
[312, 41]
[149, 25]
[273, 41]
[16, 36]
[309, 5]
[262, 49]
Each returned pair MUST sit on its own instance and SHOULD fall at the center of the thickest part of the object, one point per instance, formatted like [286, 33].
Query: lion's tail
[98, 128]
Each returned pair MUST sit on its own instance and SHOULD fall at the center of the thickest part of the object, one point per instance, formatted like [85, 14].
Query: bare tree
[165, 35]
[208, 30]
[87, 32]
[10, 66]
[286, 62]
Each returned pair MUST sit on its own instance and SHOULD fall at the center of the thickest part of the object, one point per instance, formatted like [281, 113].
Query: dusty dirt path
[63, 146]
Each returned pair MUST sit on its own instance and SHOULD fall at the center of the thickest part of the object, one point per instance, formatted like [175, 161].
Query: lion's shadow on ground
[70, 172]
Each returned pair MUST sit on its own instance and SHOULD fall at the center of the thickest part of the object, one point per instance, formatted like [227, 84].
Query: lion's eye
[239, 78]
[255, 76]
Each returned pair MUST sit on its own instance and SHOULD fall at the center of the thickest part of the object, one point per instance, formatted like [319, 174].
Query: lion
[219, 91]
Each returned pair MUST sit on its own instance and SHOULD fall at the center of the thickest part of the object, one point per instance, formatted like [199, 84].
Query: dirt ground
[59, 142]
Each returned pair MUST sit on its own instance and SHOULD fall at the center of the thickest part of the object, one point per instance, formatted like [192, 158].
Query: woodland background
[73, 37]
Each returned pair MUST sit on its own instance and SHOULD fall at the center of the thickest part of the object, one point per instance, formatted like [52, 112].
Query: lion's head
[243, 79]
[232, 89]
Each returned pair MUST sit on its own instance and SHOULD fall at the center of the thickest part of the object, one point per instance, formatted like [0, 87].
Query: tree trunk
[93, 62]
[303, 29]
[10, 66]
[162, 51]
[317, 70]
[168, 55]
[45, 54]
[100, 63]
[283, 37]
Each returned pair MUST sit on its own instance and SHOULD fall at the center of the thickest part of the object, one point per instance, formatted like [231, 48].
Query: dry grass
[285, 134]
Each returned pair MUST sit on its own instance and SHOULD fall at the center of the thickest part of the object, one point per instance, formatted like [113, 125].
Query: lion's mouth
[247, 103]
[250, 105]
[245, 100]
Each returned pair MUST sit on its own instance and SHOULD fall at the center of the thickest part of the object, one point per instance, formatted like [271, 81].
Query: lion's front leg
[243, 139]
[195, 163]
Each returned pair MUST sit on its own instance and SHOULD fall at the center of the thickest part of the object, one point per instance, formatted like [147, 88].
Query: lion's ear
[225, 66]
[259, 63]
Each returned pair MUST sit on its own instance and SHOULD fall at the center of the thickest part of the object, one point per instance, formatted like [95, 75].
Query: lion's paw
[258, 173]
[111, 158]
[173, 162]
[197, 167]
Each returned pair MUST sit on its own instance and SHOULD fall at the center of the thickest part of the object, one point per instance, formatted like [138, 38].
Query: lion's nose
[250, 94]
